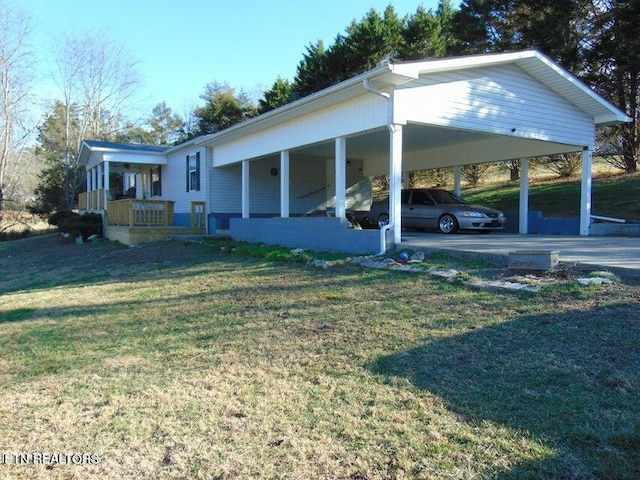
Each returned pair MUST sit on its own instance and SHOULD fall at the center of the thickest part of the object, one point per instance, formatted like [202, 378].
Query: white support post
[106, 185]
[100, 176]
[341, 177]
[284, 184]
[457, 179]
[245, 189]
[395, 181]
[585, 192]
[523, 227]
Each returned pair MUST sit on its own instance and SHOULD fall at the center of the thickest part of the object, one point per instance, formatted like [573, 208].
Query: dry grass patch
[176, 361]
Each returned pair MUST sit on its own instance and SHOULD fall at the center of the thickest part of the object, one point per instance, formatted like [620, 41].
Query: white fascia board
[134, 158]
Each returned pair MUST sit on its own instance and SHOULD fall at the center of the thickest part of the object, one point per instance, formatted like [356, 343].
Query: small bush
[78, 225]
[61, 216]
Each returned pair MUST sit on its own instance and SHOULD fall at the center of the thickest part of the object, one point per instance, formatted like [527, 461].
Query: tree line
[596, 40]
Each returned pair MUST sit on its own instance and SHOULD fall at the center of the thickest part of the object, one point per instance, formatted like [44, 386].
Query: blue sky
[181, 45]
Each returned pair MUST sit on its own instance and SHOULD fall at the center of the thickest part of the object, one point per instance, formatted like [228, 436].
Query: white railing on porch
[132, 212]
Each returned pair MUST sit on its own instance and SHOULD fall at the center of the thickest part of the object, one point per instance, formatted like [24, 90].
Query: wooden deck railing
[133, 213]
[93, 200]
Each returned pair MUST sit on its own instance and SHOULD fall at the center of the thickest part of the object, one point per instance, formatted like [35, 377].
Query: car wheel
[448, 223]
[383, 220]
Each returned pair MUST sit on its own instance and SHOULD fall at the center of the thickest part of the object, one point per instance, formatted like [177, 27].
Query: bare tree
[565, 165]
[97, 78]
[476, 172]
[16, 62]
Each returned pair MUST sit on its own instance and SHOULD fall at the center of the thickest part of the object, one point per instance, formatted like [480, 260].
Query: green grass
[614, 196]
[187, 361]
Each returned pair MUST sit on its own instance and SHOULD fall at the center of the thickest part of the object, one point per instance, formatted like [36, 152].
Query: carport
[411, 116]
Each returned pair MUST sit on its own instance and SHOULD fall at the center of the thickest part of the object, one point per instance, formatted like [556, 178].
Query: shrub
[60, 216]
[78, 225]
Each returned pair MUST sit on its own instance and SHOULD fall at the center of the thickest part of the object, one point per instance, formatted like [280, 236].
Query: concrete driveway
[620, 254]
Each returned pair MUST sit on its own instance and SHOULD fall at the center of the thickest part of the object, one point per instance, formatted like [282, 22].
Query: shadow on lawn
[50, 262]
[570, 380]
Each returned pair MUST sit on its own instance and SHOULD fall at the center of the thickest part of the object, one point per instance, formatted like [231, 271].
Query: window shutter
[159, 180]
[198, 171]
[187, 173]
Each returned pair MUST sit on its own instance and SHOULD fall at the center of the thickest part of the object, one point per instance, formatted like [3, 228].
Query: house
[266, 179]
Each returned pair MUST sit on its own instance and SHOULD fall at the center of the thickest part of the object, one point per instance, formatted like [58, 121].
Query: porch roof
[93, 152]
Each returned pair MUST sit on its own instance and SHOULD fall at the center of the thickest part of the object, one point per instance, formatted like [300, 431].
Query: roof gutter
[367, 86]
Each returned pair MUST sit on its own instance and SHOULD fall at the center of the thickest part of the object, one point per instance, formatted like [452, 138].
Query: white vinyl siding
[362, 113]
[309, 186]
[174, 179]
[501, 100]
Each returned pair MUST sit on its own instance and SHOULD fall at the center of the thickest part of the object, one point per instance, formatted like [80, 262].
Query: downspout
[367, 86]
[383, 238]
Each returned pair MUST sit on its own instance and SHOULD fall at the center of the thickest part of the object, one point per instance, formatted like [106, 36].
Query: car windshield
[442, 196]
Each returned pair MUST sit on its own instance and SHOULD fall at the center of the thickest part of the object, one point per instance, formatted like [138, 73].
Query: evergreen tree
[613, 68]
[223, 108]
[311, 75]
[58, 147]
[279, 94]
[422, 36]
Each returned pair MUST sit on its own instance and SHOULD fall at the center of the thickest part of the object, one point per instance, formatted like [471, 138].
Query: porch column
[245, 189]
[457, 179]
[585, 192]
[395, 181]
[523, 227]
[100, 176]
[341, 177]
[106, 185]
[284, 184]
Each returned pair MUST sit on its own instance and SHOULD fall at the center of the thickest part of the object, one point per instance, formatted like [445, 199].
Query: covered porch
[124, 185]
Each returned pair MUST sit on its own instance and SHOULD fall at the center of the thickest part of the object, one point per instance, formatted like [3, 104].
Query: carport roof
[538, 67]
[532, 62]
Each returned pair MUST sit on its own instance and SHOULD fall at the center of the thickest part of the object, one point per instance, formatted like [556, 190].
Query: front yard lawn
[187, 361]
